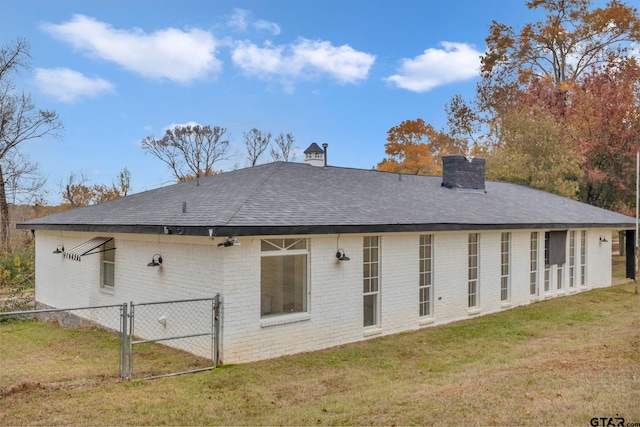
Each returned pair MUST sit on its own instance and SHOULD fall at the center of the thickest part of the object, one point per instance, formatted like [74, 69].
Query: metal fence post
[216, 327]
[123, 341]
[131, 334]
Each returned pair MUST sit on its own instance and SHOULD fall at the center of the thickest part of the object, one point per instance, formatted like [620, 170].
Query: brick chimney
[463, 172]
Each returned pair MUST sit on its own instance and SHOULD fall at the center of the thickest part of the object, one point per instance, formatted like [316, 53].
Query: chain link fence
[186, 325]
[58, 346]
[93, 344]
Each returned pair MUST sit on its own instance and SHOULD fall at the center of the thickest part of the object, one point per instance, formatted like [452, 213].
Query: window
[108, 265]
[572, 259]
[505, 243]
[371, 283]
[533, 265]
[283, 276]
[426, 274]
[547, 267]
[583, 258]
[560, 276]
[473, 284]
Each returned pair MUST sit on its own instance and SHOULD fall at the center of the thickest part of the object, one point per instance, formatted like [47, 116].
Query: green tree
[539, 153]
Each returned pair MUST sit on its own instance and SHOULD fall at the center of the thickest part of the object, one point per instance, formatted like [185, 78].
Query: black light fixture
[231, 241]
[342, 256]
[59, 249]
[156, 260]
[603, 240]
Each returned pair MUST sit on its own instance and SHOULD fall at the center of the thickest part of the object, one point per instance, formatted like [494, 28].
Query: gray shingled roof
[296, 198]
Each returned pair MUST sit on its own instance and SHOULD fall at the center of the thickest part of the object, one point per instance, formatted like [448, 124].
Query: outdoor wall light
[231, 241]
[342, 256]
[603, 240]
[59, 249]
[156, 260]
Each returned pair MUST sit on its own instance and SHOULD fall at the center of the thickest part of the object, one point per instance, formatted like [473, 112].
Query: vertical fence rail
[124, 320]
[217, 303]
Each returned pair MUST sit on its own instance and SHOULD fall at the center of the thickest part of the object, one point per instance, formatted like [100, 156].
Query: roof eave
[312, 229]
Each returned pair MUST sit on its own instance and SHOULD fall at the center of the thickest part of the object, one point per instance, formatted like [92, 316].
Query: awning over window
[557, 247]
[87, 248]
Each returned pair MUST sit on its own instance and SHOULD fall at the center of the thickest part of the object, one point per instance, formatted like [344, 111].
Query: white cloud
[239, 20]
[173, 125]
[170, 53]
[68, 85]
[306, 59]
[271, 27]
[436, 67]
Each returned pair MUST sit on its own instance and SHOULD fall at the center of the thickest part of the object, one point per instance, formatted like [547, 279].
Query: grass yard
[556, 362]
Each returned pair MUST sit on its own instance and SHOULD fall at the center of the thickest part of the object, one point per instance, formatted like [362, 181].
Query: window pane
[295, 244]
[370, 310]
[374, 284]
[109, 253]
[272, 245]
[366, 286]
[108, 274]
[283, 284]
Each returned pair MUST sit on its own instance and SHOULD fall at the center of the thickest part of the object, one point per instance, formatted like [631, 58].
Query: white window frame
[572, 259]
[583, 258]
[473, 268]
[533, 263]
[371, 279]
[108, 266]
[285, 247]
[505, 267]
[560, 277]
[547, 266]
[425, 295]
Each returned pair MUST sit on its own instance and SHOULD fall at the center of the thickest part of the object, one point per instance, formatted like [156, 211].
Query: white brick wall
[194, 267]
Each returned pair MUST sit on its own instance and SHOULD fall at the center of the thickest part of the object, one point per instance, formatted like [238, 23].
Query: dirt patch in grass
[557, 362]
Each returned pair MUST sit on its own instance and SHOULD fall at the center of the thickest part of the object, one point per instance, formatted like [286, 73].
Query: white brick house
[422, 251]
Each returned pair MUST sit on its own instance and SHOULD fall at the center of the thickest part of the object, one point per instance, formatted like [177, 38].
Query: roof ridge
[278, 165]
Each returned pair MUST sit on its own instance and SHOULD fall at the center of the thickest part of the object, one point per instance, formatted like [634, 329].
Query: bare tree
[284, 150]
[124, 182]
[20, 121]
[190, 151]
[256, 143]
[75, 190]
[23, 181]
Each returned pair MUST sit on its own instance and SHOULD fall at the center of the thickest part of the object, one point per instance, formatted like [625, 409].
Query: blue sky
[341, 72]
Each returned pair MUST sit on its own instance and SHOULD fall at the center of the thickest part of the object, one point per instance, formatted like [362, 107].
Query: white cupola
[316, 156]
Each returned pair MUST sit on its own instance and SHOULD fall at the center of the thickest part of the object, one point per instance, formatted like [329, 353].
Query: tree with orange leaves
[603, 115]
[415, 147]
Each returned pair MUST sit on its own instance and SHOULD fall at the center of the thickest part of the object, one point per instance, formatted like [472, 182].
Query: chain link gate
[191, 326]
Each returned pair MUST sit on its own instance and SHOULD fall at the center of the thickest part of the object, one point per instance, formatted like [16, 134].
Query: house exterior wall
[194, 267]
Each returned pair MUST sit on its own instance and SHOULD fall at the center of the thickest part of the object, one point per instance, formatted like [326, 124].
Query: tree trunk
[4, 214]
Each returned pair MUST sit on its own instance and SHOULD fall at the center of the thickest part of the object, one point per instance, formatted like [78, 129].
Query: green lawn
[556, 362]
